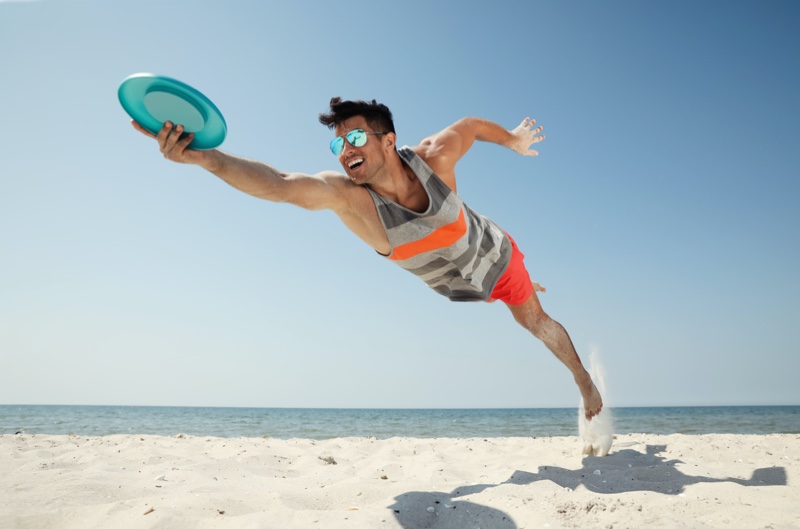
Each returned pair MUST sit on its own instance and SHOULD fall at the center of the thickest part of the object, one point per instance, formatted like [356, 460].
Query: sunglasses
[356, 138]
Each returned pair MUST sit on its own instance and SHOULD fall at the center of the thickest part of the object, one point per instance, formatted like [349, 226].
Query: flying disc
[153, 99]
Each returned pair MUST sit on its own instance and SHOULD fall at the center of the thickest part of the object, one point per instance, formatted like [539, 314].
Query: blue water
[286, 423]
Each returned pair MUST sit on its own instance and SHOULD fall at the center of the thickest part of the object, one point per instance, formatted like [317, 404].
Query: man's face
[361, 163]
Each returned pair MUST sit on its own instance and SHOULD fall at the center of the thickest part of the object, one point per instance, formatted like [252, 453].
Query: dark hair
[377, 115]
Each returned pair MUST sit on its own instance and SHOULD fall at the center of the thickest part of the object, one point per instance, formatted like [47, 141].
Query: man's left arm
[518, 139]
[445, 148]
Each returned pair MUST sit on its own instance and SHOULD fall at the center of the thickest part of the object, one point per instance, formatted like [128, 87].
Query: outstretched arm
[445, 148]
[519, 139]
[254, 178]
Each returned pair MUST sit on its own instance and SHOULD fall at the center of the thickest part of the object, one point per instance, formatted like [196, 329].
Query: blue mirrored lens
[337, 145]
[357, 137]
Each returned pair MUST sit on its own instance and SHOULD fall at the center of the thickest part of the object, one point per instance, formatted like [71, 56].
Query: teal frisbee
[153, 99]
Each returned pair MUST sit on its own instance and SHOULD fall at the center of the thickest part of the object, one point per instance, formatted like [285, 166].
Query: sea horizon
[326, 423]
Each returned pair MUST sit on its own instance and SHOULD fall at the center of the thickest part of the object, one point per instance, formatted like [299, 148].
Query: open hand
[524, 136]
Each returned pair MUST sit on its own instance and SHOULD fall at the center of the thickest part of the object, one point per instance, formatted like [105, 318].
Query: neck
[393, 178]
[401, 185]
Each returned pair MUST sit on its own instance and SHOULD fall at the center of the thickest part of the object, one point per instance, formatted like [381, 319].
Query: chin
[357, 178]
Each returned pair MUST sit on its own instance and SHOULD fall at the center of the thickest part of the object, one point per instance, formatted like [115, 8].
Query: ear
[390, 141]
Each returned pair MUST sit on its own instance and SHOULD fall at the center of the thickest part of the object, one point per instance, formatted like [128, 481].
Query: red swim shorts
[514, 286]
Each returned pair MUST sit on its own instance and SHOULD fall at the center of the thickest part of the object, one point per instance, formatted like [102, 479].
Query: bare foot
[592, 401]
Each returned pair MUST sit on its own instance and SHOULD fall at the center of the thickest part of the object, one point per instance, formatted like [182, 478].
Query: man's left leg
[531, 316]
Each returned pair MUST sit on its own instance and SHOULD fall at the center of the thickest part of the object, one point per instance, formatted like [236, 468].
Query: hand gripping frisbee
[153, 99]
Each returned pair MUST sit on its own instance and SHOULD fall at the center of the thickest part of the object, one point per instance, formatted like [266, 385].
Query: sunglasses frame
[337, 143]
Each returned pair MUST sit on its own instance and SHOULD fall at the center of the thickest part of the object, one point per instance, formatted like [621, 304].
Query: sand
[133, 481]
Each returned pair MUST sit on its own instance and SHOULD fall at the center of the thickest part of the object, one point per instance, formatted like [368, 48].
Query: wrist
[212, 161]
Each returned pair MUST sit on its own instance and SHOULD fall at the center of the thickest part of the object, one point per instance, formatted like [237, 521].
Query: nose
[347, 148]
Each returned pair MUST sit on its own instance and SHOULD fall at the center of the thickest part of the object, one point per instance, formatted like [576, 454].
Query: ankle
[583, 378]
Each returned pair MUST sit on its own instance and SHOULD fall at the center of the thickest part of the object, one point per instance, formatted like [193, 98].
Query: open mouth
[352, 164]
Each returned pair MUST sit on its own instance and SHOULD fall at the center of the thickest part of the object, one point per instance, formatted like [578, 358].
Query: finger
[531, 152]
[183, 144]
[163, 134]
[524, 123]
[173, 138]
[142, 129]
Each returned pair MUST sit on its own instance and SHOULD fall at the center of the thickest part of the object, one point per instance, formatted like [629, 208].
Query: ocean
[287, 423]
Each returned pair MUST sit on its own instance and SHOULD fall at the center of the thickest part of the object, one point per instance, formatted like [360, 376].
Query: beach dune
[143, 481]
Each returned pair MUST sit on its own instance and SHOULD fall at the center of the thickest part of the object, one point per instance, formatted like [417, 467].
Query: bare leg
[531, 316]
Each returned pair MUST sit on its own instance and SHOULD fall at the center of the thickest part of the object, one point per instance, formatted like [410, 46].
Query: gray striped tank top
[457, 252]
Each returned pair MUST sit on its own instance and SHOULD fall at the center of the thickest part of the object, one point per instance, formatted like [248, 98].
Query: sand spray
[597, 434]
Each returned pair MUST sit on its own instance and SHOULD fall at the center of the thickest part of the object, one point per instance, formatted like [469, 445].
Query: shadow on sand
[621, 471]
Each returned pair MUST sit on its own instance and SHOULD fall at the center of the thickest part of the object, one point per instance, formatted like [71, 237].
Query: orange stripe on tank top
[439, 238]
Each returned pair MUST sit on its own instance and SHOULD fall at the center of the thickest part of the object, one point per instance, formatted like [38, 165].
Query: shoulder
[441, 152]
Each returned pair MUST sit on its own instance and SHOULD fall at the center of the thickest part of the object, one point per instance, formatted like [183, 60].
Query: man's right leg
[531, 316]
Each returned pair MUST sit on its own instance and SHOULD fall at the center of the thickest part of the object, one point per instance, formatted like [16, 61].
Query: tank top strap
[417, 164]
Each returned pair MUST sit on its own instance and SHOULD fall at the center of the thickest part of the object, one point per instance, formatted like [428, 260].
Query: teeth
[353, 163]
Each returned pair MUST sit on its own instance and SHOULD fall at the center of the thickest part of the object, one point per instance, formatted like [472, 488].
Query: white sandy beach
[133, 481]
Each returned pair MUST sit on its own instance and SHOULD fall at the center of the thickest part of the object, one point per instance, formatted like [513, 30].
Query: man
[403, 203]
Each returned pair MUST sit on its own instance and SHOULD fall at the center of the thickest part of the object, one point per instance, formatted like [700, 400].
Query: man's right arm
[320, 191]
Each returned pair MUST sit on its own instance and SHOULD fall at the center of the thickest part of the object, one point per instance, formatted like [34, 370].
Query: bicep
[454, 141]
[313, 192]
[443, 150]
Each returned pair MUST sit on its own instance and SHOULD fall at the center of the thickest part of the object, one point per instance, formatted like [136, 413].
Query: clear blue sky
[662, 214]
